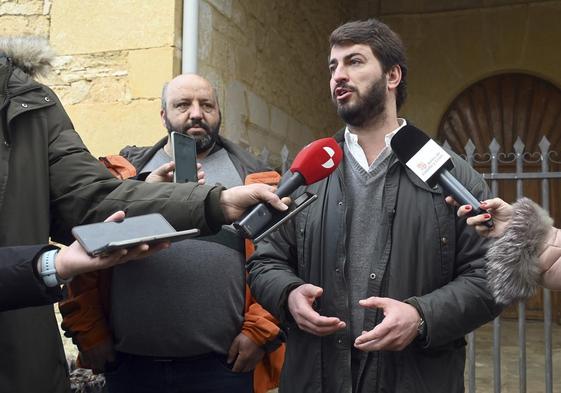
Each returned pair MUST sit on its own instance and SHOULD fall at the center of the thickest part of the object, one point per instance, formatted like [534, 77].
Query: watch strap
[422, 326]
[48, 269]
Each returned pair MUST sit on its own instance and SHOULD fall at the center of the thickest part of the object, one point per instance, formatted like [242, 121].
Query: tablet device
[104, 237]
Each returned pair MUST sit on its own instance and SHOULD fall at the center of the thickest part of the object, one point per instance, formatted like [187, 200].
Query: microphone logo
[329, 163]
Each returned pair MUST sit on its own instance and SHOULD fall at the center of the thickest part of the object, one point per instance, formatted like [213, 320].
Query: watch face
[421, 327]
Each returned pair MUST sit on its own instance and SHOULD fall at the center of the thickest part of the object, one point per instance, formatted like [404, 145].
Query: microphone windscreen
[420, 153]
[407, 142]
[317, 160]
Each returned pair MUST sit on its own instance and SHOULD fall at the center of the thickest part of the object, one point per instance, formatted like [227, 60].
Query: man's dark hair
[384, 42]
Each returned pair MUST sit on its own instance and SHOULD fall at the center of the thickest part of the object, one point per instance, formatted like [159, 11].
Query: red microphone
[314, 162]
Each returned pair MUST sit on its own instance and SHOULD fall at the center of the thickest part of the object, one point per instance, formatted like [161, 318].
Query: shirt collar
[352, 139]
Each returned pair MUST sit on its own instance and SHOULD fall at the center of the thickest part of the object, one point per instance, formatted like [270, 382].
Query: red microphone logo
[329, 163]
[317, 160]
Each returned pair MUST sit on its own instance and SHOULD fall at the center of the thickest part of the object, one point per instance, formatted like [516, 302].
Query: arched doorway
[505, 108]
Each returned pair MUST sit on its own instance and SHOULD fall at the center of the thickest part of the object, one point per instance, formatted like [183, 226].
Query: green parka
[49, 182]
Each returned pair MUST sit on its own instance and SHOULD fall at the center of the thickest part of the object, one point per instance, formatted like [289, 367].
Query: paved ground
[535, 359]
[509, 358]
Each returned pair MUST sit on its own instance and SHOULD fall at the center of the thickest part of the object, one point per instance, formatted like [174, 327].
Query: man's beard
[202, 142]
[367, 108]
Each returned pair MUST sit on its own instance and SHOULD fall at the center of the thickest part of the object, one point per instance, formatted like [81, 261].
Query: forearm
[262, 328]
[464, 302]
[271, 275]
[83, 191]
[518, 259]
[270, 284]
[21, 285]
[550, 260]
[457, 308]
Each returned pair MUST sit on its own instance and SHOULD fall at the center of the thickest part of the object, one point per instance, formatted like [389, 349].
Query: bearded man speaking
[379, 280]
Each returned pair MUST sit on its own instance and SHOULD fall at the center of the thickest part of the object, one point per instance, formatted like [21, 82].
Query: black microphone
[432, 164]
[314, 162]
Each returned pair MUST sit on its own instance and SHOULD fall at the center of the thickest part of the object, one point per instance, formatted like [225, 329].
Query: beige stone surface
[71, 68]
[274, 57]
[150, 68]
[107, 128]
[29, 7]
[118, 52]
[106, 25]
[24, 25]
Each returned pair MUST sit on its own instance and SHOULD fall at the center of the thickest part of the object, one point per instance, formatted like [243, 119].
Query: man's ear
[394, 77]
[163, 118]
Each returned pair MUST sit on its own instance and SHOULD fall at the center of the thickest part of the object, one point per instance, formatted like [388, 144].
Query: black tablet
[104, 237]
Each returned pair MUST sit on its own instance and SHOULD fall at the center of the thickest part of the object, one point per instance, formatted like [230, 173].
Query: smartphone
[103, 237]
[184, 153]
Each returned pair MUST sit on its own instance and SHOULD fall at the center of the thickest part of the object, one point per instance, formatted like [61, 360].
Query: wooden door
[504, 107]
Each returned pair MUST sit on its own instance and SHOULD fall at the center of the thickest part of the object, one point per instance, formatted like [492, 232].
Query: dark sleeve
[82, 190]
[20, 285]
[272, 271]
[465, 303]
[272, 274]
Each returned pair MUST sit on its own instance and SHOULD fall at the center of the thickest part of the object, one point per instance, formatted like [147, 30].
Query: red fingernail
[487, 216]
[468, 207]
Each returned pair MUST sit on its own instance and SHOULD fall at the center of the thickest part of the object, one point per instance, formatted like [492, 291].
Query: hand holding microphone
[431, 163]
[314, 162]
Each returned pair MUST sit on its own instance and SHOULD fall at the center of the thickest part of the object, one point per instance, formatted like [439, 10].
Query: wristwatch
[422, 329]
[48, 269]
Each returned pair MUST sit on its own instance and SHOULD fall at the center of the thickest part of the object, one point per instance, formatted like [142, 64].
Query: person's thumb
[312, 291]
[373, 302]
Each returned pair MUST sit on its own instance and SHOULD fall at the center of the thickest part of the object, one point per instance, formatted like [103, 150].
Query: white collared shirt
[351, 141]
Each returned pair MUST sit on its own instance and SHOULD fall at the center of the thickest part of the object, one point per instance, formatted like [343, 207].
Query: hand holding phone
[184, 153]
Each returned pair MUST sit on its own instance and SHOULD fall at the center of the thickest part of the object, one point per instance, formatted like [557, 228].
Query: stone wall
[113, 58]
[268, 60]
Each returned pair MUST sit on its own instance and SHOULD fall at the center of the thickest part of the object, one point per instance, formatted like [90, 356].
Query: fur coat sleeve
[526, 256]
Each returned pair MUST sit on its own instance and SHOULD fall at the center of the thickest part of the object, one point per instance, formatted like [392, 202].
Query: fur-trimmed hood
[32, 55]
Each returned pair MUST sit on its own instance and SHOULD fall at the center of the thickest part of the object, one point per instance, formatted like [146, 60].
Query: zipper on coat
[4, 124]
[6, 101]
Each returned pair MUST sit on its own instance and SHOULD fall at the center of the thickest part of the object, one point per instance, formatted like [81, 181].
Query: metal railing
[494, 158]
[519, 159]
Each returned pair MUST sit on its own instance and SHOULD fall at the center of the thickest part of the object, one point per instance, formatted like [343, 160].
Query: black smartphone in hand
[184, 153]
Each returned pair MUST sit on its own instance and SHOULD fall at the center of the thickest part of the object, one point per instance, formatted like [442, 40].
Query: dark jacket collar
[244, 162]
[340, 138]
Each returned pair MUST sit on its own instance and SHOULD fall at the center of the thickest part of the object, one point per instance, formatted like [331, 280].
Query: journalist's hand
[236, 200]
[165, 174]
[497, 209]
[74, 260]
